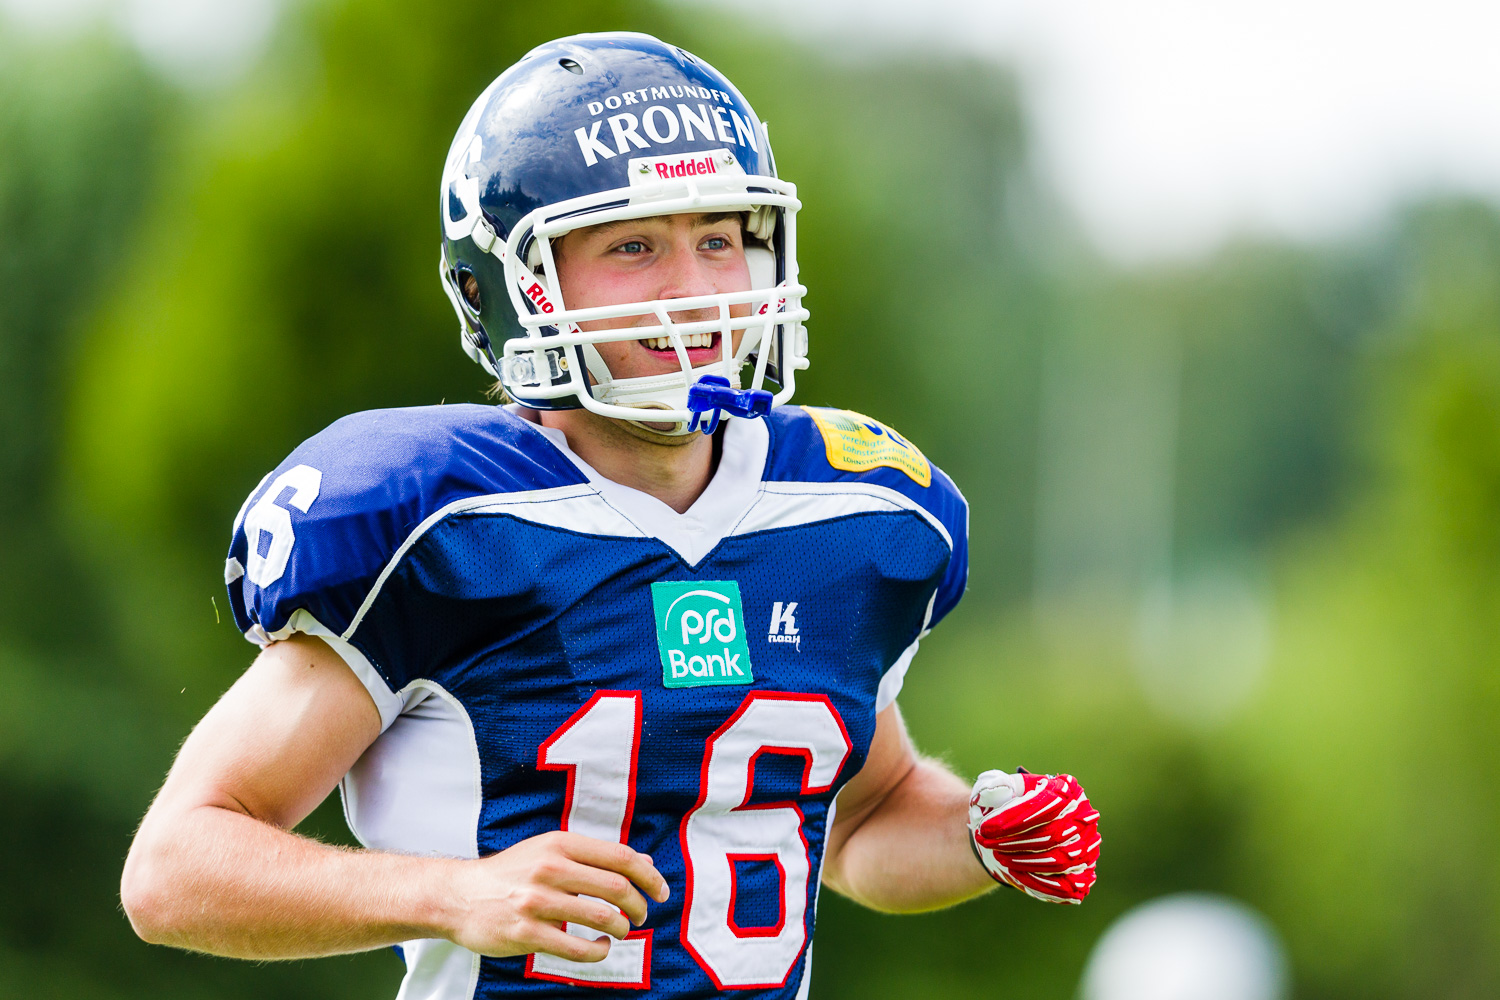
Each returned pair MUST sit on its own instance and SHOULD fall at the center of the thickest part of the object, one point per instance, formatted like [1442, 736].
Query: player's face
[662, 257]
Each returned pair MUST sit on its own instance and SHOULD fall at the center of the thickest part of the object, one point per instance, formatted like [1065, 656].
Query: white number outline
[814, 756]
[605, 974]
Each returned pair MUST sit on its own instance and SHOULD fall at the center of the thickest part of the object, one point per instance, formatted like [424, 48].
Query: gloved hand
[1036, 832]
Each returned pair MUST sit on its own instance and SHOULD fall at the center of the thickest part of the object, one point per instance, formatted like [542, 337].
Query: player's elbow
[143, 898]
[147, 893]
[879, 898]
[837, 878]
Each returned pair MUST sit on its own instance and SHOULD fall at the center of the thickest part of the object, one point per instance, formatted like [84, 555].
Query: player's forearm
[911, 853]
[218, 881]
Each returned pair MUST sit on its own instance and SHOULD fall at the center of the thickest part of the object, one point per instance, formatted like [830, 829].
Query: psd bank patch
[700, 631]
[855, 443]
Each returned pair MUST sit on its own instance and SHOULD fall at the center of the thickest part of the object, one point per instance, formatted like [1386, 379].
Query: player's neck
[674, 470]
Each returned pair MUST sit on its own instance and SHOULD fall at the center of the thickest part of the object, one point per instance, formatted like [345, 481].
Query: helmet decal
[461, 190]
[662, 124]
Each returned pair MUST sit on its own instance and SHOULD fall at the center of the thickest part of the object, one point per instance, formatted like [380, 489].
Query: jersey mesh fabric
[523, 622]
[798, 455]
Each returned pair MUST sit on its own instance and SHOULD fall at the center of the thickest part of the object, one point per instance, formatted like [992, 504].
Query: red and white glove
[1036, 832]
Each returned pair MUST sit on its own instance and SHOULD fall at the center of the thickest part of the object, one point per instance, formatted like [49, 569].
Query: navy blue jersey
[551, 650]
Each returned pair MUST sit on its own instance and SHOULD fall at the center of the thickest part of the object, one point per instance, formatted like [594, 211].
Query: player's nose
[686, 275]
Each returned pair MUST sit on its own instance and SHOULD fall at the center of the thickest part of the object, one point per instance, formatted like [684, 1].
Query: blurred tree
[84, 132]
[1374, 817]
[83, 129]
[190, 292]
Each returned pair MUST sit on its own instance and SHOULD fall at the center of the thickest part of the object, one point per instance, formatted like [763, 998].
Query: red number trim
[734, 891]
[807, 789]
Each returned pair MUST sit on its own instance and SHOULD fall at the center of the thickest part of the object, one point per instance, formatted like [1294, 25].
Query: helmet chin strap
[667, 391]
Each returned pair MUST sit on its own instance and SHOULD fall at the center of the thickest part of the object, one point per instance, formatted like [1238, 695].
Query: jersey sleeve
[313, 540]
[307, 548]
[950, 507]
[943, 501]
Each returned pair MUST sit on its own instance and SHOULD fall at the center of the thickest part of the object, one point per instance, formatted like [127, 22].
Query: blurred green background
[1236, 552]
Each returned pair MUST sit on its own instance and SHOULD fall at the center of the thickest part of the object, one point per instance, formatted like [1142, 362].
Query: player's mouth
[702, 348]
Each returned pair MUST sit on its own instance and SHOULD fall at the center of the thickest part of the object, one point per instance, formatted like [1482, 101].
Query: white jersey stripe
[783, 504]
[523, 504]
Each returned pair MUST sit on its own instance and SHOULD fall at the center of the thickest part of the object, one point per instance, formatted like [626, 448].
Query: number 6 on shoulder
[297, 486]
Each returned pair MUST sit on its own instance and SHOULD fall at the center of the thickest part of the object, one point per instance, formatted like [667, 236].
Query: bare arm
[215, 868]
[900, 840]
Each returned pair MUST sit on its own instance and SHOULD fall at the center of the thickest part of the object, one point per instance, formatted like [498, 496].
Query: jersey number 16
[598, 748]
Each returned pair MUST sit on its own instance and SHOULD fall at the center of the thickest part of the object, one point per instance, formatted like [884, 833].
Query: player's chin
[657, 432]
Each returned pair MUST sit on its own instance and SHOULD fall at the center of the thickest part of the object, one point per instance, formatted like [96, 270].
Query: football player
[607, 675]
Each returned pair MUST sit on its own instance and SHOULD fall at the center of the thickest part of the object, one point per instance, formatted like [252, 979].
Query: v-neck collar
[693, 534]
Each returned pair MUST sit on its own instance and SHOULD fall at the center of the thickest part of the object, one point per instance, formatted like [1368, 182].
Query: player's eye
[631, 247]
[716, 243]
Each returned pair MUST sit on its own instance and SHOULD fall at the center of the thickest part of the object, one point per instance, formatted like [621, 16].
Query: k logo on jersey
[700, 633]
[784, 624]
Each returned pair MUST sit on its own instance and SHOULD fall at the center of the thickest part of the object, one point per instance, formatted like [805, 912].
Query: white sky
[196, 41]
[1166, 125]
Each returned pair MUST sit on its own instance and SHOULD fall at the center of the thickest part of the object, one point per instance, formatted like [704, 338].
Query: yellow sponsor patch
[856, 443]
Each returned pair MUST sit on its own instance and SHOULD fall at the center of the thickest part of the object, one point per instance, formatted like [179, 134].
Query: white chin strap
[667, 391]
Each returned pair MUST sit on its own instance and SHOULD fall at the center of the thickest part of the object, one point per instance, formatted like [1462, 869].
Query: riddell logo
[649, 170]
[537, 295]
[784, 625]
[686, 168]
[700, 633]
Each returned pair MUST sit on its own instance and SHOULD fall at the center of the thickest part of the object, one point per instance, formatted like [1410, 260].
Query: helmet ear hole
[469, 286]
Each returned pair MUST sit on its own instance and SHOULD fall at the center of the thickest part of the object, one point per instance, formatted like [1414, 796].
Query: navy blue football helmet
[599, 128]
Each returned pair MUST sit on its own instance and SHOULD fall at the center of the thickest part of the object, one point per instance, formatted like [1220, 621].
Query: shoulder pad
[824, 445]
[317, 532]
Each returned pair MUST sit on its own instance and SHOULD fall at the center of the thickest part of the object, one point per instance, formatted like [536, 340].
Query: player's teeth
[689, 340]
